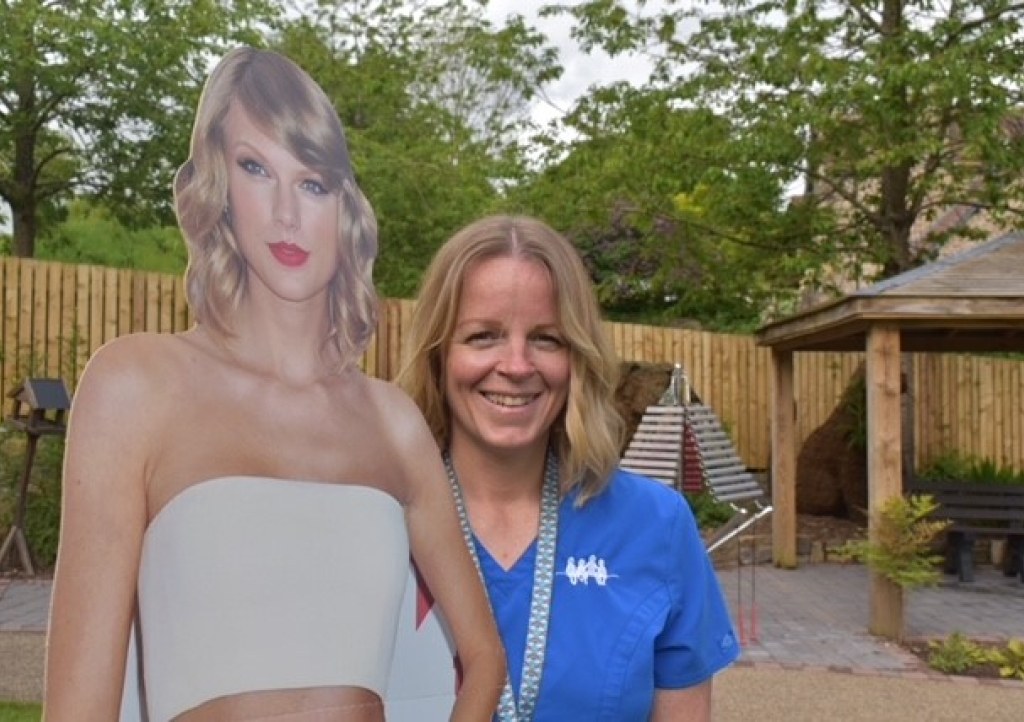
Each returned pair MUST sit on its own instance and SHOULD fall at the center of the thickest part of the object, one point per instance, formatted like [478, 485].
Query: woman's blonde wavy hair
[286, 103]
[588, 433]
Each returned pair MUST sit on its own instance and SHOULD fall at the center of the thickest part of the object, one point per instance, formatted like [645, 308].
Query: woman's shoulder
[630, 487]
[636, 499]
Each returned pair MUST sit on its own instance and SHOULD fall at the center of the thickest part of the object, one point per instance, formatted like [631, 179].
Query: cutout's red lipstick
[288, 254]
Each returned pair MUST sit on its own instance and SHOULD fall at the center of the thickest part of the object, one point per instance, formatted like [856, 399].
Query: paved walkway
[814, 618]
[818, 615]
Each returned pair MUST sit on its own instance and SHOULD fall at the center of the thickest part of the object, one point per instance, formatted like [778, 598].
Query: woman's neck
[503, 498]
[516, 477]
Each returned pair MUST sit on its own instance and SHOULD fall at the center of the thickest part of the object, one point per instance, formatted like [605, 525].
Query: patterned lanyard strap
[540, 599]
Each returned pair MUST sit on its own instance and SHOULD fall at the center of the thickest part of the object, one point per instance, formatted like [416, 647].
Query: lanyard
[540, 599]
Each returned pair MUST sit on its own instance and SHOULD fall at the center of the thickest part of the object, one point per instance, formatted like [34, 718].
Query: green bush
[42, 514]
[709, 512]
[1010, 659]
[956, 654]
[902, 551]
[958, 467]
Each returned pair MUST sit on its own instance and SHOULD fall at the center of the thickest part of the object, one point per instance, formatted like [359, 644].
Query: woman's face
[507, 370]
[284, 218]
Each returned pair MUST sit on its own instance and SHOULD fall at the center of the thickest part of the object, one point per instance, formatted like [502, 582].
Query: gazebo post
[783, 461]
[885, 479]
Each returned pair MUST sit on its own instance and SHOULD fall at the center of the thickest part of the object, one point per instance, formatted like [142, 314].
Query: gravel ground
[21, 666]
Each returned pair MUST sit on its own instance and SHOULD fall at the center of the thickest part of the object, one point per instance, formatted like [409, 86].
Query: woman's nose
[515, 360]
[286, 210]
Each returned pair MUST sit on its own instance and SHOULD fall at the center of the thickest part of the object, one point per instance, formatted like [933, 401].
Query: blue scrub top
[636, 605]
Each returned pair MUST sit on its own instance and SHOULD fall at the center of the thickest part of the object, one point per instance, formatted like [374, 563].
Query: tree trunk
[24, 229]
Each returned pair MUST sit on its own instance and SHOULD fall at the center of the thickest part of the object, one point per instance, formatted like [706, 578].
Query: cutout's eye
[252, 167]
[315, 187]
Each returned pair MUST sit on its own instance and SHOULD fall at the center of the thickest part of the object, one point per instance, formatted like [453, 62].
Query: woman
[600, 574]
[241, 490]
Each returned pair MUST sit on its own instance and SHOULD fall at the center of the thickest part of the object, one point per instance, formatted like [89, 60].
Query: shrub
[42, 514]
[956, 654]
[954, 466]
[902, 551]
[1010, 659]
[709, 512]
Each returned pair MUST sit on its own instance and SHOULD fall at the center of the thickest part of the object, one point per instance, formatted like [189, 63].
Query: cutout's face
[284, 218]
[507, 369]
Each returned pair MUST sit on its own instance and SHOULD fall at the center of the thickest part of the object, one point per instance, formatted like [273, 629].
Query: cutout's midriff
[321, 704]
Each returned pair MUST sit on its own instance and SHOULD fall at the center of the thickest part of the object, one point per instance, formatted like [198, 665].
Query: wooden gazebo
[973, 301]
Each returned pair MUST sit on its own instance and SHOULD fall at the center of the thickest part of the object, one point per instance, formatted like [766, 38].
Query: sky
[580, 71]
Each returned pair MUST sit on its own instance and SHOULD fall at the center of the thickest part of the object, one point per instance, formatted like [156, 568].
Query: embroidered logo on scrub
[585, 570]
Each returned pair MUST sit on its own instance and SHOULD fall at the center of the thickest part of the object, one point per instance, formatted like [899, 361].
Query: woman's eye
[252, 167]
[481, 338]
[315, 187]
[549, 341]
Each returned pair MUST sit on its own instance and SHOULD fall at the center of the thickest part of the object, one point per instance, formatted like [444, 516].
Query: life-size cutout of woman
[605, 598]
[240, 494]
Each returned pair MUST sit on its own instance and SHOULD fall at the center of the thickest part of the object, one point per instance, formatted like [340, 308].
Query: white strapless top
[249, 583]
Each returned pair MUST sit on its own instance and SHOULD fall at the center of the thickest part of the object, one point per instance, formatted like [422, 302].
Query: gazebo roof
[972, 301]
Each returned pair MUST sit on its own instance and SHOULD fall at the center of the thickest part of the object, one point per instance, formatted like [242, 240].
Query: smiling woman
[240, 501]
[607, 604]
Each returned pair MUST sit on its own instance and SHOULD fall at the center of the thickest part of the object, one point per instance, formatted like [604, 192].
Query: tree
[97, 97]
[892, 111]
[665, 232]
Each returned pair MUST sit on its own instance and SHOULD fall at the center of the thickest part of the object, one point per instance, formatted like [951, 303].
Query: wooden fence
[53, 316]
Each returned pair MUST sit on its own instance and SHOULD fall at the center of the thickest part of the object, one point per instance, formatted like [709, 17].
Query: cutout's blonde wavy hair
[285, 102]
[588, 432]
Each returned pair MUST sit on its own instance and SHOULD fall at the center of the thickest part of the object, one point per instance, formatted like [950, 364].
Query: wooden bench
[978, 510]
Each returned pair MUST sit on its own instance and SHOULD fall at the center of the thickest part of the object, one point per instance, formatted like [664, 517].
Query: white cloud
[580, 70]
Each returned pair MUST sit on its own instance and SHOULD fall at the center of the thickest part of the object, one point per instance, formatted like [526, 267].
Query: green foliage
[891, 114]
[43, 506]
[956, 654]
[952, 466]
[902, 549]
[709, 512]
[20, 712]
[633, 189]
[1010, 659]
[90, 234]
[42, 515]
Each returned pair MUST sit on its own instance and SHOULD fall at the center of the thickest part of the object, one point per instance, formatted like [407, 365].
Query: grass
[18, 712]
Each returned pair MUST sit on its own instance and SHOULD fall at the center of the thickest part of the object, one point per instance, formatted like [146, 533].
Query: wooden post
[783, 461]
[884, 463]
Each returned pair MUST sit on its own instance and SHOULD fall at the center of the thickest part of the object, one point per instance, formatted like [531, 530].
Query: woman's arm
[102, 523]
[441, 556]
[692, 704]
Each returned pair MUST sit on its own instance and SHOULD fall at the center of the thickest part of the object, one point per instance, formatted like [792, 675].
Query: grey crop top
[249, 583]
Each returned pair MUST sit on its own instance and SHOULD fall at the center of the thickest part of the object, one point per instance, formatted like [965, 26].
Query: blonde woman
[240, 494]
[605, 599]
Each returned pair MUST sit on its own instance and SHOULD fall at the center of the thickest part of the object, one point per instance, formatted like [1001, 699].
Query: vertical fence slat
[54, 358]
[9, 274]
